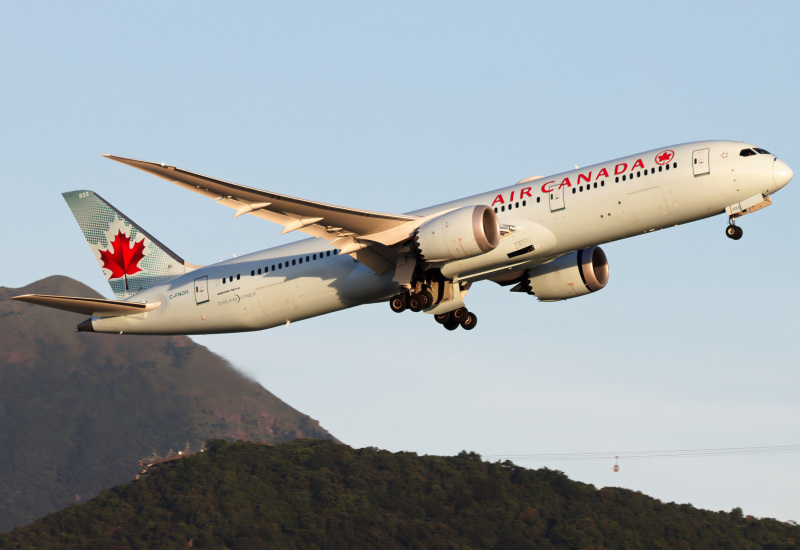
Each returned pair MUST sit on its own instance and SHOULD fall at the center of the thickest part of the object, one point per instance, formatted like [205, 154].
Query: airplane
[540, 236]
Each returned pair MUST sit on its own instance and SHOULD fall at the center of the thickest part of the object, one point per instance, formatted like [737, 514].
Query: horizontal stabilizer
[88, 306]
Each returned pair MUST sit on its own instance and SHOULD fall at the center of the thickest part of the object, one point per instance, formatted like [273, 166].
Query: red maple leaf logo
[665, 157]
[124, 260]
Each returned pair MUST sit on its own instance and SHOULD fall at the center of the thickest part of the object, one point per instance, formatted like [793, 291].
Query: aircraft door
[556, 200]
[201, 290]
[700, 162]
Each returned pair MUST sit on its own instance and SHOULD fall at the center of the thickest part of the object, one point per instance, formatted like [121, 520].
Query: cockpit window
[746, 153]
[762, 151]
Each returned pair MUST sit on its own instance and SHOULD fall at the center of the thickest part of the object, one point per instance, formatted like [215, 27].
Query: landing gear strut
[733, 231]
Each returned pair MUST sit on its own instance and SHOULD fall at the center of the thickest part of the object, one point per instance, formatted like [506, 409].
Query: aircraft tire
[415, 303]
[398, 303]
[469, 322]
[734, 232]
[459, 314]
[426, 297]
[452, 324]
[442, 318]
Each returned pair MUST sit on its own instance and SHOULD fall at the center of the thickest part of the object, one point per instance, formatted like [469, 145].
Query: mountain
[321, 494]
[79, 410]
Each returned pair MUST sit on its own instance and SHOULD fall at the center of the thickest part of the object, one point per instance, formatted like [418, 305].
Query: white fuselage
[552, 216]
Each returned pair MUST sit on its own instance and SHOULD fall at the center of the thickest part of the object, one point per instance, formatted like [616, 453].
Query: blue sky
[693, 344]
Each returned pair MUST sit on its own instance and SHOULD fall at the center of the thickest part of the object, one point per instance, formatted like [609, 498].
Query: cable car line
[675, 453]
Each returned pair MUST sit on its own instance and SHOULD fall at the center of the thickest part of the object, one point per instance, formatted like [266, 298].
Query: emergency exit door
[556, 200]
[700, 162]
[201, 290]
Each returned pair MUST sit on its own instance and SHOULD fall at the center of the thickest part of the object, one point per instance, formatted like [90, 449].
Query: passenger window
[294, 262]
[252, 272]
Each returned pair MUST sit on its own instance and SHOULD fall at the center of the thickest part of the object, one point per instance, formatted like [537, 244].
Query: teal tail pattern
[131, 259]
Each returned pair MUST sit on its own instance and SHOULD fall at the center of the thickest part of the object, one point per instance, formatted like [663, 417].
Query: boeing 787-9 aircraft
[540, 237]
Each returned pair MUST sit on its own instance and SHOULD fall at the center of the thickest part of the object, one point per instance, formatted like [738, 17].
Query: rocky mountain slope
[79, 410]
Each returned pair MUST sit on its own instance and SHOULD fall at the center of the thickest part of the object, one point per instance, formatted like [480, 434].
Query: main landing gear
[415, 302]
[418, 301]
[733, 231]
[460, 317]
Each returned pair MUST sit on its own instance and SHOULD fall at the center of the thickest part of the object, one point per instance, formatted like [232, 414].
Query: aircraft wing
[367, 236]
[88, 306]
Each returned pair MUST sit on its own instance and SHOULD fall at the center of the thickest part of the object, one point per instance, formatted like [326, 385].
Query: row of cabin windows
[590, 186]
[282, 265]
[514, 205]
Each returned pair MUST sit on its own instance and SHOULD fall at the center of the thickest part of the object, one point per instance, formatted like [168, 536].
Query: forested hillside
[320, 494]
[78, 410]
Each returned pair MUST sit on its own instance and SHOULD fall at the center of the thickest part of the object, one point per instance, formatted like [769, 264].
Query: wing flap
[88, 306]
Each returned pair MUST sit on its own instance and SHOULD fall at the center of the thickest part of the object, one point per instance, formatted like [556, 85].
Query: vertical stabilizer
[131, 259]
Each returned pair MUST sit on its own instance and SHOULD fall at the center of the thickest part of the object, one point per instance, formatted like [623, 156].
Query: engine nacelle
[569, 276]
[462, 233]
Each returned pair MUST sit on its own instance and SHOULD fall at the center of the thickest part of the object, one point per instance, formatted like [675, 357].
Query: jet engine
[462, 233]
[568, 276]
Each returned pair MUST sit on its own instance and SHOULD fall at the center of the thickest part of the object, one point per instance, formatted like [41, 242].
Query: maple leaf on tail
[125, 259]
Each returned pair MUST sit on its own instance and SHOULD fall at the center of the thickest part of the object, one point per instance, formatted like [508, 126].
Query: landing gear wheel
[399, 303]
[459, 314]
[443, 318]
[426, 297]
[469, 322]
[451, 324]
[415, 303]
[734, 232]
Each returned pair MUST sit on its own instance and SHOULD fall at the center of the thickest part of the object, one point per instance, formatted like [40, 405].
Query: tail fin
[131, 259]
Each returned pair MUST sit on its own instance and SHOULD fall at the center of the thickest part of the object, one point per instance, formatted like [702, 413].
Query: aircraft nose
[781, 173]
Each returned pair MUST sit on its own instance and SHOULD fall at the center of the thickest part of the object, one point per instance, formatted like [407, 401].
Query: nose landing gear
[733, 231]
